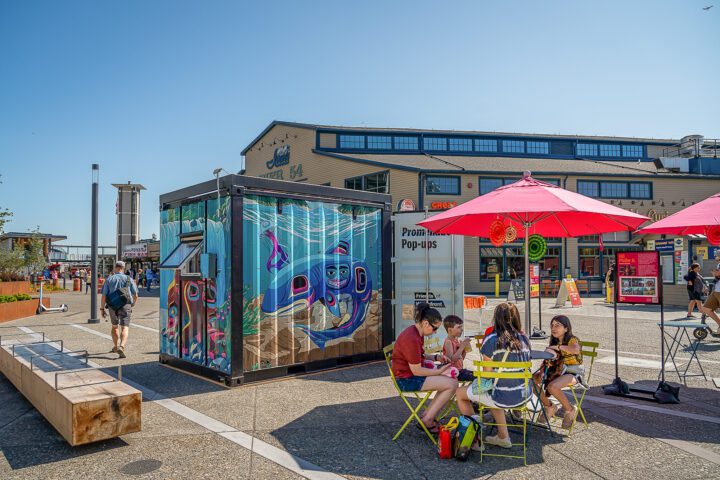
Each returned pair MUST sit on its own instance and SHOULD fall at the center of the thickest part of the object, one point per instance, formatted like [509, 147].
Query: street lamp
[94, 244]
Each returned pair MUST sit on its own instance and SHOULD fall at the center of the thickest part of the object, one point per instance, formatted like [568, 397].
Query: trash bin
[76, 284]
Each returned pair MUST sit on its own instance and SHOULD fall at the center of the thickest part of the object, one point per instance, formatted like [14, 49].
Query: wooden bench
[83, 403]
[582, 285]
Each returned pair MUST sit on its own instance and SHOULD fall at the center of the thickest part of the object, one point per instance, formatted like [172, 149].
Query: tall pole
[94, 245]
[528, 327]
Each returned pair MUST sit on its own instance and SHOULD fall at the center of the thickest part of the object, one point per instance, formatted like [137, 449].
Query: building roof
[53, 238]
[507, 165]
[660, 141]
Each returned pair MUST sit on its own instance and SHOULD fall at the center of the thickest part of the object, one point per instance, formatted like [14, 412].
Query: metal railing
[694, 147]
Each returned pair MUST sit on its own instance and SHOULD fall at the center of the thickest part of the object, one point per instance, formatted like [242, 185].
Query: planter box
[14, 310]
[13, 288]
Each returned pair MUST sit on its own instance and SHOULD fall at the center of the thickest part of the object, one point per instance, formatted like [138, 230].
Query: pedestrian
[88, 281]
[148, 278]
[119, 294]
[695, 286]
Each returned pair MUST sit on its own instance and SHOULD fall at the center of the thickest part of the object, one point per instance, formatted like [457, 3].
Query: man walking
[119, 294]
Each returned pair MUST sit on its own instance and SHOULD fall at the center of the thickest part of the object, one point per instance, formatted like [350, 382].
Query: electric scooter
[42, 308]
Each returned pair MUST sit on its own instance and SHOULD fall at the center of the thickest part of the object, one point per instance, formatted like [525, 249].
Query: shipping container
[263, 278]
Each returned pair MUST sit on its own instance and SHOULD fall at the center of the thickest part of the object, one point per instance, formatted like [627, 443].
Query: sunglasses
[434, 327]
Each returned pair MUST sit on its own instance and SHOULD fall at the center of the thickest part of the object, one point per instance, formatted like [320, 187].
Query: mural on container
[197, 318]
[312, 281]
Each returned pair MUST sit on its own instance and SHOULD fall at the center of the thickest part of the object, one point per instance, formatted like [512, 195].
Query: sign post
[639, 280]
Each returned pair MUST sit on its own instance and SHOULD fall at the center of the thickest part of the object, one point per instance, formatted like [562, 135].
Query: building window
[552, 181]
[485, 145]
[489, 184]
[442, 185]
[491, 263]
[513, 146]
[461, 145]
[609, 150]
[542, 148]
[550, 263]
[634, 151]
[589, 262]
[375, 182]
[589, 189]
[406, 143]
[435, 143]
[588, 149]
[616, 237]
[352, 141]
[515, 263]
[613, 190]
[640, 190]
[379, 143]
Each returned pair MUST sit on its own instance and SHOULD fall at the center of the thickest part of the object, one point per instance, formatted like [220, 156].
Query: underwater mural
[197, 318]
[312, 281]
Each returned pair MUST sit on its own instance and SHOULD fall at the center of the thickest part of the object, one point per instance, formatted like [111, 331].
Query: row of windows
[598, 189]
[509, 263]
[484, 145]
[374, 182]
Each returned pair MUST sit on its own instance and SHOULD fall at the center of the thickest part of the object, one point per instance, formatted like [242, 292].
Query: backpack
[464, 436]
[120, 297]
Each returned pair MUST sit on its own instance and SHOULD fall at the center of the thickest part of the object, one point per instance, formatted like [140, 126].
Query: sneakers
[114, 350]
[121, 352]
[499, 442]
[569, 418]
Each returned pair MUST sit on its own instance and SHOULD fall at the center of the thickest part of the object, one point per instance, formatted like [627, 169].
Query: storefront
[439, 169]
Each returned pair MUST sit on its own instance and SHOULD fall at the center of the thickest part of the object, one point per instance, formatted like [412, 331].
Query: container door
[193, 319]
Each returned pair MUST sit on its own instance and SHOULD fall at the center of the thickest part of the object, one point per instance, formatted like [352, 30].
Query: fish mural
[334, 278]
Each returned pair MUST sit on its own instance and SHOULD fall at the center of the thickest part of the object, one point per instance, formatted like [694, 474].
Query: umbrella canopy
[534, 207]
[544, 208]
[690, 220]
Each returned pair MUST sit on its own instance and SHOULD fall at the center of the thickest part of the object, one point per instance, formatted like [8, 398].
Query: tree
[35, 259]
[5, 215]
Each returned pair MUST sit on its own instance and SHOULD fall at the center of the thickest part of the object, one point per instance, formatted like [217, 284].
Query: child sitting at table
[563, 371]
[454, 349]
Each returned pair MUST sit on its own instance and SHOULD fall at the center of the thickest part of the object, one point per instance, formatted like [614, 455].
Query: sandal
[434, 428]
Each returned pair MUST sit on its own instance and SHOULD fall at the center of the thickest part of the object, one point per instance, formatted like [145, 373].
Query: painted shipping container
[263, 278]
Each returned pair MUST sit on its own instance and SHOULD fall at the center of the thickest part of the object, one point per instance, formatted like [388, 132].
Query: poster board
[534, 280]
[428, 267]
[568, 292]
[638, 277]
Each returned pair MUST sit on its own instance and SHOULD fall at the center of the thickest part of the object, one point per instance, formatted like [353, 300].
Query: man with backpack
[119, 294]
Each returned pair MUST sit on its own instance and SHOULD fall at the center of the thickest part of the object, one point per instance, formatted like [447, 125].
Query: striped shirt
[508, 392]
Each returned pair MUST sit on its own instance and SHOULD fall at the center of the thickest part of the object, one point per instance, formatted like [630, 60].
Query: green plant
[22, 296]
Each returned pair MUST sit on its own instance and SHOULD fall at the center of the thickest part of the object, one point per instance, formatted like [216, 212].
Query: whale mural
[332, 279]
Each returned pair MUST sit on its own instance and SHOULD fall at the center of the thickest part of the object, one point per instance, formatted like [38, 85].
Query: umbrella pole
[528, 326]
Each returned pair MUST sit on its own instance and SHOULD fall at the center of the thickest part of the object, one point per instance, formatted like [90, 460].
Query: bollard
[608, 293]
[497, 285]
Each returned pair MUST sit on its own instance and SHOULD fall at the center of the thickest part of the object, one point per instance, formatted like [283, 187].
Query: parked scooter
[42, 308]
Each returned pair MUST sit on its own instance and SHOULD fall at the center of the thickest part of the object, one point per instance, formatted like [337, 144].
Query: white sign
[137, 250]
[428, 268]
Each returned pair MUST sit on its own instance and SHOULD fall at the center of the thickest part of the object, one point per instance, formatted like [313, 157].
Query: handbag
[486, 384]
[446, 443]
[465, 435]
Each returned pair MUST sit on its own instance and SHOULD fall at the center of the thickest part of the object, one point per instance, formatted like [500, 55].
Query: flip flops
[434, 428]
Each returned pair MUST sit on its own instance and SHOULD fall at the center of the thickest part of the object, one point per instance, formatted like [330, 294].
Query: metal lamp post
[94, 244]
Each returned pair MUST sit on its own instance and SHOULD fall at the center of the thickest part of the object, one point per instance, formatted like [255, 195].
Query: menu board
[638, 277]
[534, 280]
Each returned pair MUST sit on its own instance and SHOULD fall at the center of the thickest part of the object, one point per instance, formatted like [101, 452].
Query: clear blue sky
[161, 92]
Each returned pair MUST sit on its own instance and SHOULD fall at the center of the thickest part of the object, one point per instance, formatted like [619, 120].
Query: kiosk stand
[639, 280]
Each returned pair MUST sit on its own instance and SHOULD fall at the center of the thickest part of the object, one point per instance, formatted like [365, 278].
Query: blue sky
[163, 92]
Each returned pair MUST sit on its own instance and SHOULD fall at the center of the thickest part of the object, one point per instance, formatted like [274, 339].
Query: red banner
[638, 277]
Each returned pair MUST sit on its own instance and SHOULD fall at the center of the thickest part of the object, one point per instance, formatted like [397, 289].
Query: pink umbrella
[691, 220]
[532, 206]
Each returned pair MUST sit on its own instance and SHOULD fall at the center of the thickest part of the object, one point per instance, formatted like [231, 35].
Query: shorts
[693, 295]
[412, 384]
[466, 375]
[486, 399]
[713, 301]
[121, 316]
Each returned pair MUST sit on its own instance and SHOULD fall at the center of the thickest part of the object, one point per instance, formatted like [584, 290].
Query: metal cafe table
[540, 355]
[673, 342]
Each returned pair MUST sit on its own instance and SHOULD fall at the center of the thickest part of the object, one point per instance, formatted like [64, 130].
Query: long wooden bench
[83, 403]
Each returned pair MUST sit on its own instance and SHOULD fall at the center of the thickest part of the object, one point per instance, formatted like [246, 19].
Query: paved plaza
[339, 423]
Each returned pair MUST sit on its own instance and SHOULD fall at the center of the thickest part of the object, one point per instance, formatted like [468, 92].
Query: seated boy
[454, 349]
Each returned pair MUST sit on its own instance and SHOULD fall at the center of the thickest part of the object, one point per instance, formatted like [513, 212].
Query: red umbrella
[532, 207]
[702, 218]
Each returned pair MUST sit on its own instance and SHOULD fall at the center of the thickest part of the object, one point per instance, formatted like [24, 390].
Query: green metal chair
[421, 396]
[521, 371]
[588, 350]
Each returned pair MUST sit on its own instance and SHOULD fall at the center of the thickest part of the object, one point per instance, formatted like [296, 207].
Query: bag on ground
[446, 447]
[465, 435]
